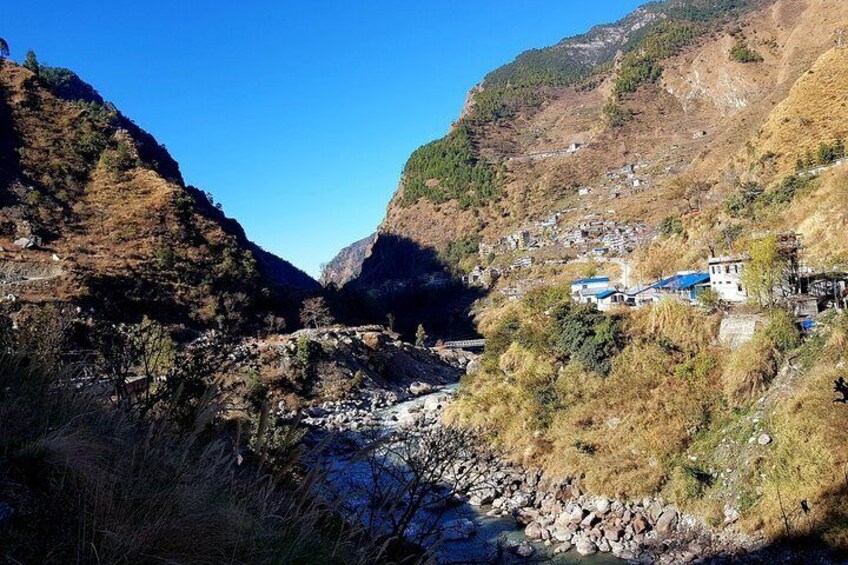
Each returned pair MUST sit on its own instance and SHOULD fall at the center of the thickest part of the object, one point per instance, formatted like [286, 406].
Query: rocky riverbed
[511, 514]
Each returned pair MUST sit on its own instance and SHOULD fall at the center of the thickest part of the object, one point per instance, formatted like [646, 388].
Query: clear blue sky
[297, 115]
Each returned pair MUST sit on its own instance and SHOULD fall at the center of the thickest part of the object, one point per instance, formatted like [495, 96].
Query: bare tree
[415, 479]
[315, 312]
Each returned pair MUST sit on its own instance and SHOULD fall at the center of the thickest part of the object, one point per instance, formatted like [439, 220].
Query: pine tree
[4, 49]
[31, 62]
[420, 336]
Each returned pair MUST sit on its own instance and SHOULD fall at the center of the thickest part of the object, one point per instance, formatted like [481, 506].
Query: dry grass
[90, 483]
[749, 371]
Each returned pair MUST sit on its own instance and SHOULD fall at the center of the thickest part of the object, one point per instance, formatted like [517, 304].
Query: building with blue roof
[587, 290]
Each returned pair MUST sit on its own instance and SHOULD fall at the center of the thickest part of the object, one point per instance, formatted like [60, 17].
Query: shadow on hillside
[411, 284]
[812, 530]
[10, 141]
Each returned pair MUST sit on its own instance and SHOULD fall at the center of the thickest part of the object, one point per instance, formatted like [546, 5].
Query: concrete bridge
[465, 344]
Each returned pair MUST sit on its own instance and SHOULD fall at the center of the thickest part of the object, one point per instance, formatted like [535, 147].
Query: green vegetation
[119, 160]
[31, 63]
[616, 114]
[670, 226]
[420, 336]
[741, 53]
[460, 252]
[752, 201]
[766, 271]
[642, 64]
[4, 49]
[449, 169]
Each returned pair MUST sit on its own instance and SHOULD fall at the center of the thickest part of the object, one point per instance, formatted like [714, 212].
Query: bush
[583, 333]
[670, 226]
[741, 53]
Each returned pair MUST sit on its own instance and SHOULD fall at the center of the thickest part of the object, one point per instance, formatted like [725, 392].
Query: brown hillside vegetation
[108, 216]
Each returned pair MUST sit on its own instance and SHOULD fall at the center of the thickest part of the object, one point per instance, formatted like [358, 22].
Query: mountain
[660, 117]
[347, 264]
[94, 211]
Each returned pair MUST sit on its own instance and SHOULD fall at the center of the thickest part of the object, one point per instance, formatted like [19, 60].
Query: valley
[603, 320]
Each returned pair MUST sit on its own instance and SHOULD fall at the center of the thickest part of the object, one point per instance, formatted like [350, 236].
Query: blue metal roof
[591, 281]
[683, 282]
[605, 294]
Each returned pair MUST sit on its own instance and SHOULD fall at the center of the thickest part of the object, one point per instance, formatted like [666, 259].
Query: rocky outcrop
[347, 264]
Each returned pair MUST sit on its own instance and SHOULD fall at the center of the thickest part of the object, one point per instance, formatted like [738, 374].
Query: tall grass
[89, 483]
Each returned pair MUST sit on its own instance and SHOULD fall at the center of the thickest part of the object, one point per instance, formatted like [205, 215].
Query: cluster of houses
[592, 235]
[804, 293]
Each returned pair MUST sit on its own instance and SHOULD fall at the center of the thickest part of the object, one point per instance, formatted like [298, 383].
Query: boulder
[667, 521]
[24, 243]
[764, 439]
[533, 530]
[418, 388]
[590, 520]
[562, 548]
[585, 547]
[602, 506]
[639, 524]
[524, 549]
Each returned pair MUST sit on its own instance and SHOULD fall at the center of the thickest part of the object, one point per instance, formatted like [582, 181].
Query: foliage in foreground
[85, 477]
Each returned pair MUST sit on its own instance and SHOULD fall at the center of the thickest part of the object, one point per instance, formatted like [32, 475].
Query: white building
[586, 290]
[726, 278]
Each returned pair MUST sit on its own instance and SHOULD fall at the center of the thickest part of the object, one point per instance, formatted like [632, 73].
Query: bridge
[465, 344]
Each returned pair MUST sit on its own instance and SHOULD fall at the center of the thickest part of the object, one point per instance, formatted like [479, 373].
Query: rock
[418, 388]
[562, 535]
[460, 529]
[604, 546]
[764, 439]
[533, 530]
[602, 506]
[524, 549]
[562, 548]
[373, 340]
[731, 513]
[574, 516]
[640, 525]
[55, 257]
[585, 547]
[24, 243]
[435, 403]
[667, 521]
[590, 520]
[613, 534]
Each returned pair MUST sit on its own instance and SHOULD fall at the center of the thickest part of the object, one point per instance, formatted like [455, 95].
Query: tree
[4, 49]
[315, 313]
[31, 62]
[420, 336]
[766, 273]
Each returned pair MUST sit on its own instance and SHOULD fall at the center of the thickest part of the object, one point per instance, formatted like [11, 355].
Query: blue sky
[297, 115]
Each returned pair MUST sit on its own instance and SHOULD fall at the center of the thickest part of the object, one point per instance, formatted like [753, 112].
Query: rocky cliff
[94, 211]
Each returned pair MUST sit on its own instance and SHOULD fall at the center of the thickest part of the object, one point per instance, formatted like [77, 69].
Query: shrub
[670, 226]
[741, 53]
[583, 333]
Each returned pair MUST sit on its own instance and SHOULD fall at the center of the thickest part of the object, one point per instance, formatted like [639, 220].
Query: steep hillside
[659, 115]
[93, 210]
[347, 264]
